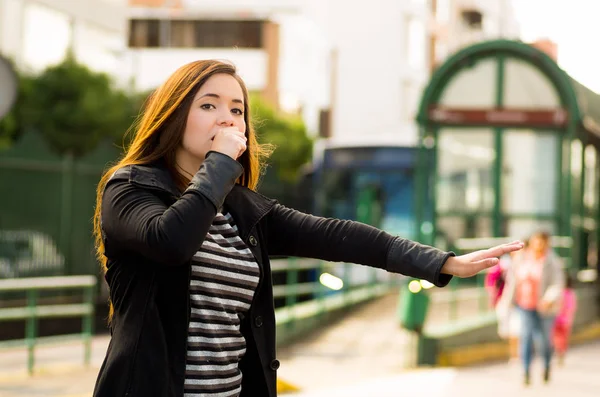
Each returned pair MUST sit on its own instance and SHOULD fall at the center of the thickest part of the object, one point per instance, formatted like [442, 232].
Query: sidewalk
[59, 370]
[366, 343]
[364, 354]
[578, 378]
[366, 335]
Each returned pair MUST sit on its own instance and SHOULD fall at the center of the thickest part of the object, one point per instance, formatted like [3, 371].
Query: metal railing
[33, 311]
[311, 299]
[330, 287]
[459, 301]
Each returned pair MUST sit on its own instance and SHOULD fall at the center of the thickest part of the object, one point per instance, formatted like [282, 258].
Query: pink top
[529, 275]
[568, 307]
[494, 283]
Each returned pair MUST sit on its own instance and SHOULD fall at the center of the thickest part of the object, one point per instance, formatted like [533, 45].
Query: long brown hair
[158, 132]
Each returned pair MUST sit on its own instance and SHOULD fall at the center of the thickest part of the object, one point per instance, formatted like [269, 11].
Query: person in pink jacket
[535, 284]
[494, 281]
[564, 320]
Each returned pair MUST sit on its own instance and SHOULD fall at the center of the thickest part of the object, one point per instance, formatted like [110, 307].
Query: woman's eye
[239, 112]
[207, 106]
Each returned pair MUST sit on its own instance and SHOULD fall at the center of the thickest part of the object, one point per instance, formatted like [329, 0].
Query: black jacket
[151, 231]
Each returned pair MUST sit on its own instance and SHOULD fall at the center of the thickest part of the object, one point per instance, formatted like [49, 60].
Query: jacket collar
[154, 176]
[245, 205]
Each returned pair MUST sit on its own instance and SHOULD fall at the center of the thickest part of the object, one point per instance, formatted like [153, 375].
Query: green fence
[46, 209]
[312, 292]
[33, 309]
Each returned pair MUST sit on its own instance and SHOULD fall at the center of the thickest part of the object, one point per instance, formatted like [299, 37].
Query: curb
[489, 352]
[286, 387]
[60, 369]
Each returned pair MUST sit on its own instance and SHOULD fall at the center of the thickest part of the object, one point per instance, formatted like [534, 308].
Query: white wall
[150, 67]
[372, 66]
[304, 67]
[37, 33]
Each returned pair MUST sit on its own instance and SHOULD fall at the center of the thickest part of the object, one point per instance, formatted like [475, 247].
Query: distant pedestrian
[535, 283]
[564, 320]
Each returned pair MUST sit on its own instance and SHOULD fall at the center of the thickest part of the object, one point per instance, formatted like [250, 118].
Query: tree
[293, 149]
[74, 108]
[293, 146]
[12, 125]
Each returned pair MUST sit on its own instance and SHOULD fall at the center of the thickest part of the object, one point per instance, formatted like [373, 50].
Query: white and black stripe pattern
[223, 281]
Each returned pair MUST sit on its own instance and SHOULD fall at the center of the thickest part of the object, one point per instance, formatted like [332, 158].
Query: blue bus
[373, 183]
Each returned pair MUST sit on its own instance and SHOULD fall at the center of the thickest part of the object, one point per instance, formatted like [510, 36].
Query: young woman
[185, 241]
[535, 284]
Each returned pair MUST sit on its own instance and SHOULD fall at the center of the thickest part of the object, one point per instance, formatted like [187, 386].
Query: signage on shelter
[499, 117]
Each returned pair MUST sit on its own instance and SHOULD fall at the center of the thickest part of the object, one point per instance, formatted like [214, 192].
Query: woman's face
[218, 103]
[538, 245]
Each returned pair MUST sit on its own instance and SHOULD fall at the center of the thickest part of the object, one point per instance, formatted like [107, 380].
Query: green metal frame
[33, 311]
[567, 90]
[497, 177]
[506, 48]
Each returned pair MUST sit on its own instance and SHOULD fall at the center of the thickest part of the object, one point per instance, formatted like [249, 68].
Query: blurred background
[456, 123]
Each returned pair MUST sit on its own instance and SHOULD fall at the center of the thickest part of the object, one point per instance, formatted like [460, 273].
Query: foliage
[293, 146]
[74, 108]
[84, 107]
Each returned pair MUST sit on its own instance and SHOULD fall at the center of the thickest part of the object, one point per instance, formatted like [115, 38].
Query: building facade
[38, 33]
[384, 54]
[378, 66]
[270, 42]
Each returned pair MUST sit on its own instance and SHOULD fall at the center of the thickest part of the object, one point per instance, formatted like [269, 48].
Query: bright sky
[571, 24]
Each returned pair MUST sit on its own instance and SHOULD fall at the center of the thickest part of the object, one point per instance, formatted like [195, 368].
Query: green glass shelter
[509, 145]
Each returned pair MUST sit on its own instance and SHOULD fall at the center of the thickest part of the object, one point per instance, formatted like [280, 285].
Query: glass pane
[522, 78]
[590, 194]
[450, 228]
[576, 172]
[529, 172]
[465, 164]
[576, 153]
[483, 227]
[459, 91]
[592, 252]
[523, 228]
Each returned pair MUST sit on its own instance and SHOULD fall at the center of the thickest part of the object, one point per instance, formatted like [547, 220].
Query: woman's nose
[226, 120]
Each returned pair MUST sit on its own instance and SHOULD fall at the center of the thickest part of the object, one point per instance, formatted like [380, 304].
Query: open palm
[470, 264]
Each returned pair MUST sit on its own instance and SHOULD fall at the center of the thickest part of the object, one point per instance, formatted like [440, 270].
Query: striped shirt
[224, 278]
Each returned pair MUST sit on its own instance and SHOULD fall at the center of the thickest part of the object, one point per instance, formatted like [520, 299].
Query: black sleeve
[293, 233]
[135, 219]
